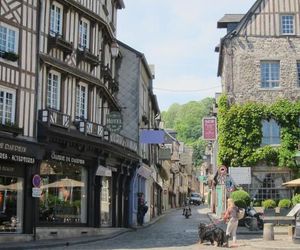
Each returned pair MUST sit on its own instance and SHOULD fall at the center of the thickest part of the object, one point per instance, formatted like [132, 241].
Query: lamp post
[296, 238]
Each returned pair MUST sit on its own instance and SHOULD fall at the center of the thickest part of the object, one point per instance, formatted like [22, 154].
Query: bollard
[268, 231]
[291, 231]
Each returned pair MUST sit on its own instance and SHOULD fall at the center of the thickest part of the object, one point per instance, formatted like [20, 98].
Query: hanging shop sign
[114, 121]
[164, 154]
[209, 128]
[66, 158]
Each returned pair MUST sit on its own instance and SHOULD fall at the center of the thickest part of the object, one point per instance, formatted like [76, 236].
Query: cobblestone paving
[173, 231]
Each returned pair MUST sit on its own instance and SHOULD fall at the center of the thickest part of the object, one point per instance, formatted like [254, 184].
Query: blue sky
[179, 38]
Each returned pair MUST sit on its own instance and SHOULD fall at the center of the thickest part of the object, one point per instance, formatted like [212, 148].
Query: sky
[179, 38]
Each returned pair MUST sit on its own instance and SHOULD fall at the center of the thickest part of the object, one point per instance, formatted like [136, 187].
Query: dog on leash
[212, 234]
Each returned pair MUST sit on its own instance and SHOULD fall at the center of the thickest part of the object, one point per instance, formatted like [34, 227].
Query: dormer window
[84, 34]
[287, 25]
[56, 19]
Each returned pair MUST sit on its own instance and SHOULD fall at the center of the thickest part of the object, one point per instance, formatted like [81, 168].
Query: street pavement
[172, 231]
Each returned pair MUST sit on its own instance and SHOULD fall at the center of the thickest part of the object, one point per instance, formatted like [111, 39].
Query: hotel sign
[209, 128]
[114, 121]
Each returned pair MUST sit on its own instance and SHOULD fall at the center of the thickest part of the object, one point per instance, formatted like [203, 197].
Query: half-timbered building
[259, 62]
[19, 151]
[87, 165]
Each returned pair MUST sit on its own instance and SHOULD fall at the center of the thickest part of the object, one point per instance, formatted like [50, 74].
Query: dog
[212, 234]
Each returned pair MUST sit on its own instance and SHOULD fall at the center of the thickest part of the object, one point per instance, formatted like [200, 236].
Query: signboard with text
[114, 121]
[240, 175]
[209, 128]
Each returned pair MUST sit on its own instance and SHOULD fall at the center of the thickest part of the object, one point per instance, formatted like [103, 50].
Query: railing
[56, 118]
[94, 129]
[123, 141]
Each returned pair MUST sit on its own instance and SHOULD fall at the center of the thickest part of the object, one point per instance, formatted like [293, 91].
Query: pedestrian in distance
[231, 216]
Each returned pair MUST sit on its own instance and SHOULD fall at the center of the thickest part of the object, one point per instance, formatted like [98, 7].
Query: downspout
[37, 66]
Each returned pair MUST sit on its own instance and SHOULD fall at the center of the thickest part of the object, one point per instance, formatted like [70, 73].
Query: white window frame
[270, 137]
[56, 20]
[13, 107]
[82, 40]
[51, 102]
[16, 38]
[81, 103]
[287, 26]
[267, 80]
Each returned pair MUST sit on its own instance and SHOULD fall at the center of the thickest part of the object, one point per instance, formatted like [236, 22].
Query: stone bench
[280, 220]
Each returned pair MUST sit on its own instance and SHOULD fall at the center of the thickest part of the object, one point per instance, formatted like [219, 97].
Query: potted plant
[284, 206]
[296, 199]
[269, 207]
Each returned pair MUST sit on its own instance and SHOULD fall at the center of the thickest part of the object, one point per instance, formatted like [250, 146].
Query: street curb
[63, 242]
[78, 240]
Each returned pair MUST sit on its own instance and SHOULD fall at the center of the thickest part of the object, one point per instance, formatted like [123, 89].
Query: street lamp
[114, 49]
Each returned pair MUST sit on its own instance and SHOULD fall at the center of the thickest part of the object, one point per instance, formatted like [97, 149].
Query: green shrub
[296, 199]
[241, 195]
[269, 203]
[284, 203]
[240, 203]
[257, 203]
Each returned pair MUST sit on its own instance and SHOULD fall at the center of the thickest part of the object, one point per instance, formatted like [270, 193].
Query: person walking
[231, 215]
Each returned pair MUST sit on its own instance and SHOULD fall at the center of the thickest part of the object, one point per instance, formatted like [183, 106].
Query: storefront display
[106, 202]
[64, 193]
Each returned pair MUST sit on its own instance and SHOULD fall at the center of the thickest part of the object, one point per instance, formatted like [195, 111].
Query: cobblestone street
[172, 231]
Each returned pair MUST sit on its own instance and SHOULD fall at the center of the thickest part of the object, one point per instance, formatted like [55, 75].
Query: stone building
[259, 62]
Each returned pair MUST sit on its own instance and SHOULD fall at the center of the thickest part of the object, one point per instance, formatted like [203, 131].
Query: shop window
[11, 204]
[64, 189]
[7, 106]
[106, 219]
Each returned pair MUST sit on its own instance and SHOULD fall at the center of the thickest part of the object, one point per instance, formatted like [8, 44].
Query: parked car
[196, 199]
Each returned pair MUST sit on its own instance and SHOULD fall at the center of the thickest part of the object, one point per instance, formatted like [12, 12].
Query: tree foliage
[186, 120]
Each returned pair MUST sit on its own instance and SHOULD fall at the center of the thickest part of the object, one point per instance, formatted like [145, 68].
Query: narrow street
[173, 231]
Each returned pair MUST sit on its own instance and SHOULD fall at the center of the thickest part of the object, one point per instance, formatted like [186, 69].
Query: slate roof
[229, 18]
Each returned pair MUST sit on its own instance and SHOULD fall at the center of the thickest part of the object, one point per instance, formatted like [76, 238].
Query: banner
[209, 128]
[152, 136]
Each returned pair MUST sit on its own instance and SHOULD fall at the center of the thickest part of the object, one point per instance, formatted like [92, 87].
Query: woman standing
[231, 214]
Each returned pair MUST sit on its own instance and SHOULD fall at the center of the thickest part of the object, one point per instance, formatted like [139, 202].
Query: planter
[284, 211]
[269, 212]
[11, 129]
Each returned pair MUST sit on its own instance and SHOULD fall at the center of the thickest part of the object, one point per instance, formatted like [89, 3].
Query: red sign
[209, 128]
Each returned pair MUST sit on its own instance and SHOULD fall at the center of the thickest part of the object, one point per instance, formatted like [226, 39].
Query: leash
[216, 222]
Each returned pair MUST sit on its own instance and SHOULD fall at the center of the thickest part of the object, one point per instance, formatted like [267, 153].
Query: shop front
[18, 161]
[64, 198]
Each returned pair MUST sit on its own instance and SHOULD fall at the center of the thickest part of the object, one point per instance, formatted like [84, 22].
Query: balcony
[55, 118]
[57, 41]
[11, 128]
[123, 141]
[93, 129]
[84, 54]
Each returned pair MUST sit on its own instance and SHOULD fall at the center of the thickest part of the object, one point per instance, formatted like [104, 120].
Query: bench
[280, 220]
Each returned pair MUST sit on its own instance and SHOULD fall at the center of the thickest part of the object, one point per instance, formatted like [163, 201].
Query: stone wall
[241, 78]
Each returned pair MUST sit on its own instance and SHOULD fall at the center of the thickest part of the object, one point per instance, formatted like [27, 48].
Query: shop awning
[293, 183]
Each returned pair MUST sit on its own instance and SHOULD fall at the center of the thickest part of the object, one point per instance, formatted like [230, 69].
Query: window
[270, 74]
[7, 106]
[298, 74]
[56, 19]
[81, 101]
[53, 94]
[271, 133]
[8, 39]
[287, 25]
[84, 34]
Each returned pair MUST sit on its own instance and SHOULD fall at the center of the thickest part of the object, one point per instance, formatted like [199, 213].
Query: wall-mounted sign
[164, 154]
[149, 136]
[66, 158]
[209, 128]
[36, 180]
[114, 121]
[17, 158]
[240, 175]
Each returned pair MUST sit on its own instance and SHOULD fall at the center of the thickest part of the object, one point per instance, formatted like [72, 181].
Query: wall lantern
[114, 49]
